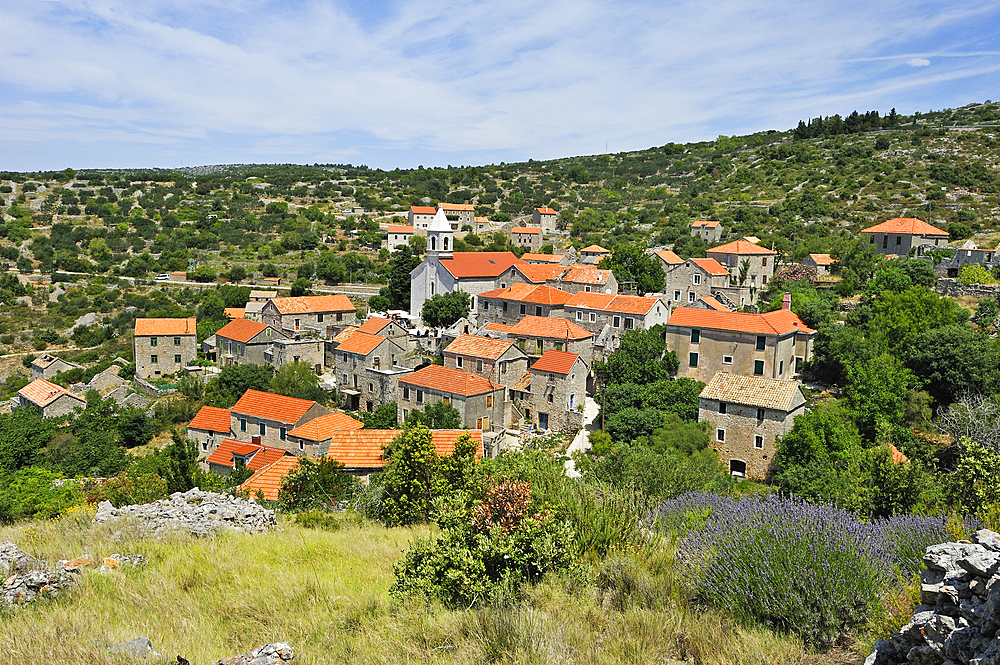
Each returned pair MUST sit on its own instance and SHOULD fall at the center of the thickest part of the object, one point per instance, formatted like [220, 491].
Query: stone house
[164, 346]
[49, 399]
[323, 316]
[313, 437]
[772, 345]
[534, 335]
[271, 417]
[209, 427]
[231, 452]
[897, 236]
[708, 231]
[388, 328]
[266, 483]
[310, 351]
[47, 366]
[398, 235]
[253, 311]
[597, 311]
[691, 280]
[823, 263]
[420, 217]
[262, 296]
[750, 266]
[360, 451]
[593, 254]
[480, 402]
[747, 415]
[242, 342]
[571, 279]
[552, 394]
[515, 302]
[526, 236]
[106, 381]
[497, 360]
[351, 360]
[667, 258]
[459, 214]
[545, 219]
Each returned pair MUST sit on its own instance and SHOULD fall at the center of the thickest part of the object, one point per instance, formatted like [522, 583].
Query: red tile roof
[267, 481]
[612, 303]
[480, 264]
[450, 380]
[423, 210]
[823, 259]
[705, 224]
[259, 455]
[43, 393]
[897, 456]
[753, 391]
[363, 449]
[713, 303]
[541, 258]
[545, 211]
[544, 326]
[778, 322]
[212, 419]
[374, 325]
[577, 274]
[536, 294]
[740, 247]
[322, 428]
[526, 229]
[272, 407]
[480, 347]
[458, 206]
[399, 228]
[344, 334]
[668, 256]
[906, 225]
[166, 326]
[559, 362]
[540, 273]
[234, 312]
[711, 266]
[310, 304]
[361, 343]
[241, 330]
[595, 249]
[500, 327]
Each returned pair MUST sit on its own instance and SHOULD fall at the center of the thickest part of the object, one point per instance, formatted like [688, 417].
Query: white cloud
[918, 62]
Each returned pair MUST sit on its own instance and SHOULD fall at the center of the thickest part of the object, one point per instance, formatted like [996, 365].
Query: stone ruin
[200, 513]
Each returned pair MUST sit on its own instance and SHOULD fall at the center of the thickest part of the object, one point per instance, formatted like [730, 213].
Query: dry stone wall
[200, 513]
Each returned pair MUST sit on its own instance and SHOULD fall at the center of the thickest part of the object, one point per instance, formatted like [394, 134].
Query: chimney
[255, 440]
[786, 302]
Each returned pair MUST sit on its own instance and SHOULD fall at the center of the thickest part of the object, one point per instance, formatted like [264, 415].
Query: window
[692, 360]
[763, 262]
[763, 279]
[758, 442]
[243, 424]
[479, 365]
[781, 367]
[446, 399]
[558, 346]
[899, 240]
[177, 341]
[489, 401]
[539, 346]
[722, 407]
[344, 356]
[677, 296]
[550, 398]
[873, 238]
[738, 468]
[405, 413]
[262, 428]
[616, 322]
[503, 285]
[204, 445]
[885, 241]
[695, 335]
[798, 364]
[720, 435]
[586, 289]
[761, 342]
[727, 360]
[758, 367]
[319, 318]
[177, 358]
[629, 323]
[282, 433]
[377, 362]
[153, 359]
[520, 344]
[760, 415]
[420, 396]
[406, 393]
[344, 376]
[458, 362]
[503, 306]
[479, 423]
[297, 323]
[538, 310]
[486, 306]
[371, 387]
[593, 317]
[302, 445]
[691, 296]
[239, 349]
[152, 341]
[579, 315]
[696, 279]
[523, 309]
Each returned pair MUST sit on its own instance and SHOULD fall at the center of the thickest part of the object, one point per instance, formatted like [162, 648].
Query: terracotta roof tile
[897, 456]
[423, 210]
[545, 211]
[612, 303]
[785, 321]
[576, 274]
[320, 429]
[713, 303]
[258, 294]
[591, 300]
[267, 481]
[906, 225]
[778, 322]
[399, 228]
[711, 266]
[559, 362]
[740, 247]
[309, 304]
[344, 334]
[704, 224]
[753, 391]
[212, 419]
[480, 264]
[541, 258]
[467, 207]
[536, 294]
[374, 325]
[450, 380]
[595, 249]
[363, 449]
[501, 327]
[524, 383]
[480, 347]
[241, 330]
[823, 259]
[272, 407]
[547, 327]
[361, 343]
[526, 229]
[669, 257]
[258, 455]
[234, 312]
[538, 274]
[187, 326]
[42, 393]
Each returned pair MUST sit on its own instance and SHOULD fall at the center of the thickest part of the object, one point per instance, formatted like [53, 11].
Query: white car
[163, 278]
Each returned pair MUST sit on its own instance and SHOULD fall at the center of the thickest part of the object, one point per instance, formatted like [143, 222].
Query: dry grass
[326, 593]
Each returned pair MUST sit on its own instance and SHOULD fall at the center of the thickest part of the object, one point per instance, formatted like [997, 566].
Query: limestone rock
[200, 513]
[265, 654]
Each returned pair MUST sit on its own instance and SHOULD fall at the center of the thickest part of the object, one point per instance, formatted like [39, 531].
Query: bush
[33, 493]
[129, 488]
[975, 274]
[315, 484]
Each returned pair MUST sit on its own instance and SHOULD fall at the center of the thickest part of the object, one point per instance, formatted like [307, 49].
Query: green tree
[237, 274]
[401, 264]
[439, 415]
[300, 287]
[203, 273]
[297, 379]
[630, 263]
[384, 417]
[410, 480]
[234, 380]
[877, 393]
[952, 360]
[315, 484]
[443, 309]
[975, 274]
[642, 358]
[898, 318]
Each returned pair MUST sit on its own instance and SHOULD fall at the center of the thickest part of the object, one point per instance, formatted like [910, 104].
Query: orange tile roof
[234, 312]
[309, 304]
[823, 259]
[545, 211]
[753, 390]
[363, 449]
[480, 264]
[361, 343]
[374, 325]
[259, 455]
[705, 223]
[612, 303]
[544, 258]
[523, 384]
[591, 300]
[43, 393]
[668, 256]
[272, 407]
[450, 380]
[740, 247]
[907, 225]
[526, 229]
[537, 294]
[713, 303]
[241, 330]
[500, 327]
[187, 326]
[559, 362]
[711, 266]
[267, 481]
[320, 429]
[344, 334]
[212, 419]
[423, 210]
[595, 249]
[544, 326]
[577, 274]
[399, 228]
[538, 274]
[458, 206]
[480, 347]
[779, 322]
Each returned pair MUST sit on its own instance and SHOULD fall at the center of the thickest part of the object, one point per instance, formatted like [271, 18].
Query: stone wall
[951, 287]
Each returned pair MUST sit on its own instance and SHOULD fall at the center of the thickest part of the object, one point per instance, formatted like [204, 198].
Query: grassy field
[326, 593]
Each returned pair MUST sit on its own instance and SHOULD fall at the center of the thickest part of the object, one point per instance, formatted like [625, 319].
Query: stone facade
[545, 219]
[526, 236]
[479, 402]
[693, 279]
[619, 314]
[504, 369]
[47, 366]
[322, 316]
[352, 361]
[710, 232]
[554, 399]
[251, 351]
[759, 262]
[272, 432]
[164, 353]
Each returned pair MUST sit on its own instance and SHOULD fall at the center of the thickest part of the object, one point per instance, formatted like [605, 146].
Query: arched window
[433, 242]
[432, 288]
[444, 243]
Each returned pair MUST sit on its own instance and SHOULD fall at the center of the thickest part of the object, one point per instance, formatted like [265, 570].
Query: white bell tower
[440, 237]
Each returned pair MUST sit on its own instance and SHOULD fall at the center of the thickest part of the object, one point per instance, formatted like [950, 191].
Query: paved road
[582, 438]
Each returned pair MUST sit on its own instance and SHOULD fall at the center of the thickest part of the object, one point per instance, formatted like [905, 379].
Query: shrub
[313, 484]
[33, 492]
[129, 488]
[975, 274]
[318, 519]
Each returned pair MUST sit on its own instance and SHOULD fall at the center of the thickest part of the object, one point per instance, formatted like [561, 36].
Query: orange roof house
[479, 264]
[374, 325]
[595, 249]
[449, 380]
[711, 266]
[606, 302]
[166, 327]
[313, 304]
[668, 257]
[234, 312]
[545, 211]
[479, 401]
[212, 419]
[549, 328]
[530, 230]
[900, 235]
[267, 418]
[254, 456]
[360, 451]
[310, 439]
[778, 322]
[399, 228]
[479, 347]
[49, 399]
[740, 247]
[908, 226]
[360, 343]
[535, 294]
[272, 407]
[241, 330]
[559, 362]
[266, 482]
[541, 258]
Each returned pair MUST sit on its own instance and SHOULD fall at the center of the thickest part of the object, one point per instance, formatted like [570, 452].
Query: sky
[126, 84]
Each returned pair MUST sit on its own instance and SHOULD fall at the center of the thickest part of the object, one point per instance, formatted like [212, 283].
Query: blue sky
[119, 83]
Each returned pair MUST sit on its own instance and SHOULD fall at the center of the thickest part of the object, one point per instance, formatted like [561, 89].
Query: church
[445, 270]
